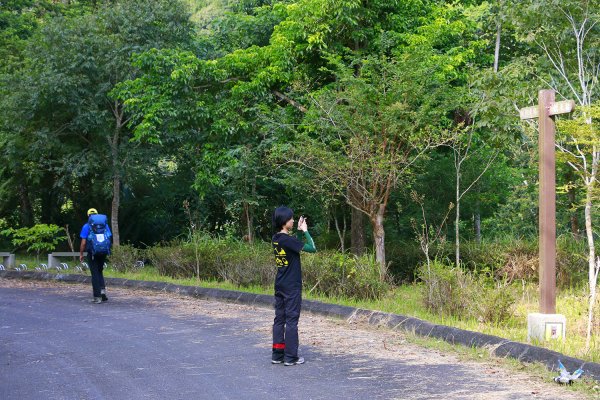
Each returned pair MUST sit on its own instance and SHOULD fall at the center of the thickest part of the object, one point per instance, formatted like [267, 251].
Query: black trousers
[285, 326]
[96, 265]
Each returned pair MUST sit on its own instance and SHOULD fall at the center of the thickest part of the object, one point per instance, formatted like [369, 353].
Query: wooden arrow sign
[560, 107]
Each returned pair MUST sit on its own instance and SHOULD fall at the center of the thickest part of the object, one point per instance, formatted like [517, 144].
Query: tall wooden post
[547, 201]
[547, 197]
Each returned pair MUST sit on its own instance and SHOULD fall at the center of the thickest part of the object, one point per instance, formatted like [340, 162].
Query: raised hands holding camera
[302, 226]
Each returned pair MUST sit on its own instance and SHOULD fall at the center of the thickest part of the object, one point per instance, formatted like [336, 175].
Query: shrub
[174, 261]
[244, 264]
[455, 292]
[39, 238]
[404, 259]
[446, 289]
[335, 274]
[226, 259]
[493, 304]
[329, 273]
[571, 262]
[507, 259]
[126, 258]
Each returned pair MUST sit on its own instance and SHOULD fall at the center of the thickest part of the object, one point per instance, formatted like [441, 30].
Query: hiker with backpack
[96, 240]
[288, 284]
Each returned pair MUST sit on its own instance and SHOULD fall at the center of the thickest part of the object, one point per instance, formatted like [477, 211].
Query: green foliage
[244, 265]
[173, 261]
[206, 106]
[446, 290]
[340, 275]
[580, 138]
[455, 292]
[493, 302]
[65, 137]
[125, 258]
[507, 259]
[39, 238]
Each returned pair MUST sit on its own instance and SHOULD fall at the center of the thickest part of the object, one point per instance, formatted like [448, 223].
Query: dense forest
[391, 125]
[388, 123]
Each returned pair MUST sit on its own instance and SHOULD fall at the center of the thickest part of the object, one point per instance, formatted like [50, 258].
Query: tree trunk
[477, 227]
[50, 208]
[341, 232]
[379, 239]
[497, 48]
[249, 223]
[357, 232]
[457, 221]
[357, 228]
[574, 221]
[116, 200]
[69, 239]
[26, 211]
[591, 263]
[590, 322]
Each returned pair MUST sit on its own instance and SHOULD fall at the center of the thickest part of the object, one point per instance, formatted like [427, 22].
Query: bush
[244, 264]
[173, 261]
[517, 259]
[126, 258]
[226, 259]
[493, 304]
[507, 259]
[39, 238]
[329, 273]
[455, 292]
[446, 289]
[335, 274]
[404, 259]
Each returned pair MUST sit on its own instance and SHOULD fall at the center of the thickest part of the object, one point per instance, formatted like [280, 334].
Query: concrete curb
[498, 346]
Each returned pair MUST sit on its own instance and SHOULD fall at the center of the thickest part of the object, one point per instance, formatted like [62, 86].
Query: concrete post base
[544, 327]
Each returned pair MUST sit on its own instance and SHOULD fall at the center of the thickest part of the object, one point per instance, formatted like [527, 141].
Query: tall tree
[74, 63]
[364, 133]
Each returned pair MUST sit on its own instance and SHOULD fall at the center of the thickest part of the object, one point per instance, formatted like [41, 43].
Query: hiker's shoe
[104, 298]
[297, 361]
[97, 300]
[276, 361]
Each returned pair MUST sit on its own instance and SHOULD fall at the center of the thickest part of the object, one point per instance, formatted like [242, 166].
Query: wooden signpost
[547, 324]
[545, 111]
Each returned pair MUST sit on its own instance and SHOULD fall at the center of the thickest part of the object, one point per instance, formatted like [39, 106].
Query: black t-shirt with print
[287, 258]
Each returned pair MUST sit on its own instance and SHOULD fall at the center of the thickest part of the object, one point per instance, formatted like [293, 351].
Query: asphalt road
[56, 345]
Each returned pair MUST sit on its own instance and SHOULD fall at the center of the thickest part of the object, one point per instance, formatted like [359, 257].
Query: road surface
[54, 344]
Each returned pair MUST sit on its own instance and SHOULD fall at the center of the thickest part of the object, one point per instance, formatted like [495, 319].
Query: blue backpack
[99, 236]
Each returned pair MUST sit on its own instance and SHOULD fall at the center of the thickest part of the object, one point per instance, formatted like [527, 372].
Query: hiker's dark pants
[285, 326]
[96, 265]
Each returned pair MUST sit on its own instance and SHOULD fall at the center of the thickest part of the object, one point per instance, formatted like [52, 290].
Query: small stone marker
[544, 327]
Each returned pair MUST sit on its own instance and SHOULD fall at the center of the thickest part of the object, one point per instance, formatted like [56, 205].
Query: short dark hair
[281, 216]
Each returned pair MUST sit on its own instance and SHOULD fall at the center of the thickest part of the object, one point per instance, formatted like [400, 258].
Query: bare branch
[560, 68]
[290, 101]
[489, 163]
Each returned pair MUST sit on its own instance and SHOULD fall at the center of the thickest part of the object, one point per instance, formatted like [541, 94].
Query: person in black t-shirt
[288, 285]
